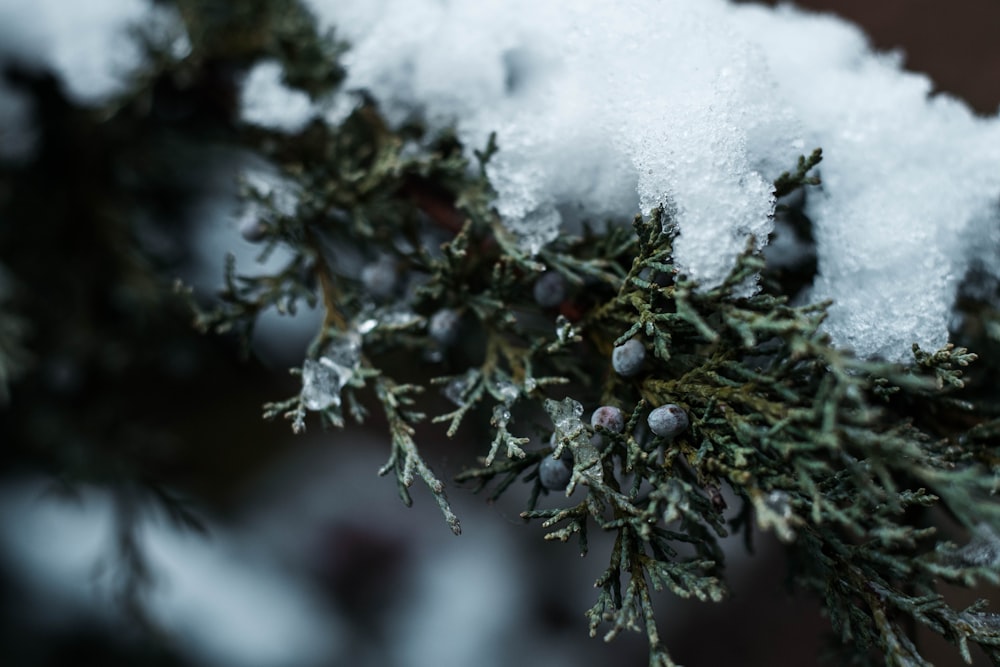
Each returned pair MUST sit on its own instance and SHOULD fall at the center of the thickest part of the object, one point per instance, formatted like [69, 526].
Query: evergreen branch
[405, 460]
[788, 182]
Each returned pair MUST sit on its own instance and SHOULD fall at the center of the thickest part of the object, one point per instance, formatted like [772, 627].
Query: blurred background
[149, 516]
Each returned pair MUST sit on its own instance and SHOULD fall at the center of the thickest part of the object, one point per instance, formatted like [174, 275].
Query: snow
[266, 100]
[605, 110]
[910, 183]
[86, 43]
[586, 102]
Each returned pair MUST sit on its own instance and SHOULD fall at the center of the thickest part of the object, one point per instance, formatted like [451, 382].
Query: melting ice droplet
[506, 390]
[318, 391]
[457, 389]
[565, 414]
[323, 378]
[501, 416]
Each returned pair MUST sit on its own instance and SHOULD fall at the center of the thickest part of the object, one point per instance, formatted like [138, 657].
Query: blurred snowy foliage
[286, 583]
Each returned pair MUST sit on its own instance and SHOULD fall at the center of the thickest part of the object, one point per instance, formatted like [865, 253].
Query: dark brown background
[957, 43]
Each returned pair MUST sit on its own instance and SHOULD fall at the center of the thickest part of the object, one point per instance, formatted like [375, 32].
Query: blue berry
[252, 229]
[443, 326]
[668, 420]
[380, 277]
[627, 358]
[554, 474]
[550, 289]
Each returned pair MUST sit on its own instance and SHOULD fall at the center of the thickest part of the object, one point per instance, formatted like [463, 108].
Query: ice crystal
[571, 432]
[501, 416]
[565, 416]
[506, 390]
[458, 388]
[324, 378]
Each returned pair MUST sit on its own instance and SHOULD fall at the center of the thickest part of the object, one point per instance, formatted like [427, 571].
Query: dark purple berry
[443, 326]
[610, 417]
[550, 289]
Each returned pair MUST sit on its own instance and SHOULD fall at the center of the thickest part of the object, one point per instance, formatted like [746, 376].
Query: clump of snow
[600, 111]
[603, 109]
[86, 43]
[90, 46]
[910, 182]
[266, 100]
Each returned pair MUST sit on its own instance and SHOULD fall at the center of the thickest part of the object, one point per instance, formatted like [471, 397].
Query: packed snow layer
[910, 182]
[603, 109]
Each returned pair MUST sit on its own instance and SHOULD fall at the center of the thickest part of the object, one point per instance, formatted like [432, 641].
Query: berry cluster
[666, 421]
